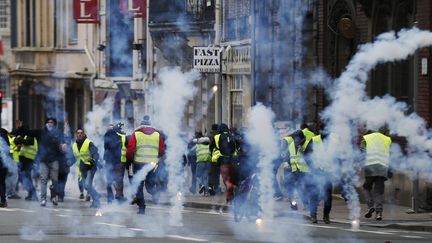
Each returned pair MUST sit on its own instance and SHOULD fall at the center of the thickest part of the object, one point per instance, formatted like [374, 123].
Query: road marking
[113, 225]
[137, 229]
[63, 215]
[17, 210]
[412, 236]
[186, 238]
[320, 226]
[369, 231]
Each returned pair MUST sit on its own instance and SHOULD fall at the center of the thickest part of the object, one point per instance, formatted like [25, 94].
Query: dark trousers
[149, 182]
[321, 187]
[214, 176]
[374, 198]
[25, 171]
[3, 175]
[114, 175]
[62, 179]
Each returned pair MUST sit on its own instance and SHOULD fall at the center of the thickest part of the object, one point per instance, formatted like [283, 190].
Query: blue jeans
[26, 166]
[202, 173]
[87, 173]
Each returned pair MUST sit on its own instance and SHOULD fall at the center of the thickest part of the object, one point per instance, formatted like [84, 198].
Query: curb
[401, 226]
[412, 227]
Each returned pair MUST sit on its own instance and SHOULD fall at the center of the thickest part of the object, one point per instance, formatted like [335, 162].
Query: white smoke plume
[351, 108]
[170, 102]
[265, 141]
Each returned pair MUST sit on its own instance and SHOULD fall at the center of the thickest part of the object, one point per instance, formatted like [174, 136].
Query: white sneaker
[43, 203]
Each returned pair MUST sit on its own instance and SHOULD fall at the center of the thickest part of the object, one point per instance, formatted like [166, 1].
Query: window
[73, 27]
[236, 99]
[4, 15]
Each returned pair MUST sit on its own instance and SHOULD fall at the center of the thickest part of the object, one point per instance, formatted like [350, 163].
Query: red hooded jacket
[131, 148]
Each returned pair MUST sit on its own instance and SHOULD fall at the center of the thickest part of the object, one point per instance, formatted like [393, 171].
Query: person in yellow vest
[214, 175]
[115, 145]
[12, 179]
[27, 155]
[321, 175]
[298, 168]
[87, 158]
[225, 144]
[376, 146]
[203, 160]
[146, 146]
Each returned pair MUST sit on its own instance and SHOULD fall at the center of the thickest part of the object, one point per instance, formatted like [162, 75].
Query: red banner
[86, 11]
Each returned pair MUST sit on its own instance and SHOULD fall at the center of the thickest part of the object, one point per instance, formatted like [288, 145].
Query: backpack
[227, 144]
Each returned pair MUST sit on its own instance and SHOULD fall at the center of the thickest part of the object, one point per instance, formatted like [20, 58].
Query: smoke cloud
[171, 98]
[263, 139]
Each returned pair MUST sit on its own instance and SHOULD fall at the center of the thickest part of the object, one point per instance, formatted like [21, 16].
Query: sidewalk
[394, 216]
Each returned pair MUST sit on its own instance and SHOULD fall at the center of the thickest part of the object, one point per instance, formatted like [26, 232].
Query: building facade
[51, 65]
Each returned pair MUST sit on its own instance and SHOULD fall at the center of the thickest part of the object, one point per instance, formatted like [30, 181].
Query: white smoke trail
[171, 99]
[350, 105]
[263, 138]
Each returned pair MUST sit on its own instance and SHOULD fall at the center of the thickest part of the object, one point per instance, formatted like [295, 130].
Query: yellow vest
[296, 157]
[123, 149]
[377, 149]
[83, 154]
[215, 155]
[147, 147]
[29, 151]
[202, 153]
[13, 148]
[309, 135]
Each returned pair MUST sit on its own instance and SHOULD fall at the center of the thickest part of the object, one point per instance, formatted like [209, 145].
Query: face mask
[49, 127]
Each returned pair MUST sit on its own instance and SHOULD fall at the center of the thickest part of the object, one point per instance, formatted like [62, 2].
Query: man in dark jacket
[146, 146]
[50, 153]
[115, 144]
[225, 144]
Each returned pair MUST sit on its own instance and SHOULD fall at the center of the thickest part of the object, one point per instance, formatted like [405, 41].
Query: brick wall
[424, 8]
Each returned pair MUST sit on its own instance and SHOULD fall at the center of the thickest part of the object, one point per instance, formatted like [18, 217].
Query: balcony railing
[181, 11]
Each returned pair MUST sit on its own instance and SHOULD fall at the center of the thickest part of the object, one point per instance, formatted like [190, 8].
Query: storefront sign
[207, 59]
[86, 11]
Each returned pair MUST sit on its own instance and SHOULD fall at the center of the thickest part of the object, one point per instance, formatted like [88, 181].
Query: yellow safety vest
[215, 155]
[377, 149]
[296, 157]
[123, 149]
[29, 151]
[82, 154]
[309, 135]
[13, 148]
[202, 153]
[147, 147]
